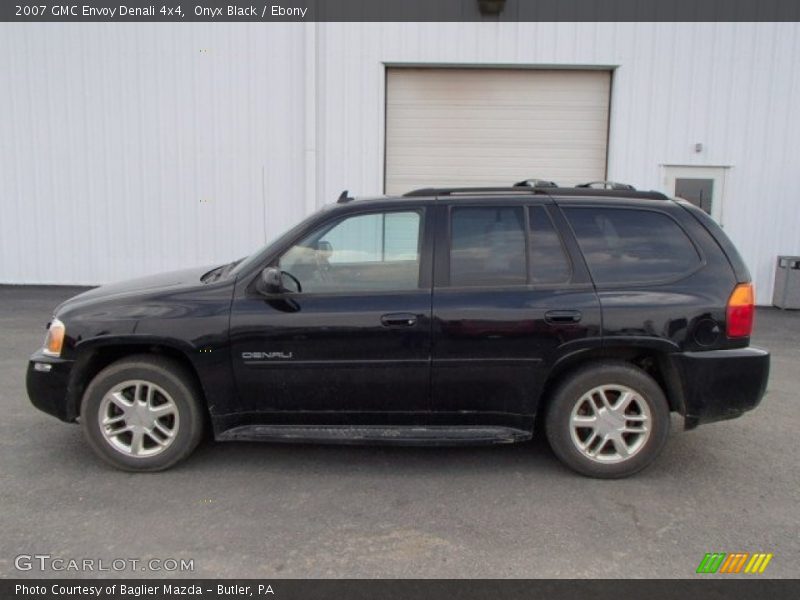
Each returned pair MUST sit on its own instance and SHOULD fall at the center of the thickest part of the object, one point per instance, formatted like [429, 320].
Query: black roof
[538, 187]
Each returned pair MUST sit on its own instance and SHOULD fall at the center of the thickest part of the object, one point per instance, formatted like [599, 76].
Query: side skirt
[405, 435]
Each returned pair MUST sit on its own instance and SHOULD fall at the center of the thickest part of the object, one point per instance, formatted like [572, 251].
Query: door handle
[399, 320]
[562, 316]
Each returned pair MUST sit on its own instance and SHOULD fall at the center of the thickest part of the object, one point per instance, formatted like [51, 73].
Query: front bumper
[721, 384]
[47, 383]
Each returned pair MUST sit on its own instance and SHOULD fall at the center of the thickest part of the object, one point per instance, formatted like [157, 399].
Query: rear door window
[495, 246]
[623, 245]
[487, 246]
[548, 259]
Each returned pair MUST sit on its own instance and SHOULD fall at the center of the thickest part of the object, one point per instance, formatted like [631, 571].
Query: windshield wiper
[229, 267]
[212, 275]
[219, 272]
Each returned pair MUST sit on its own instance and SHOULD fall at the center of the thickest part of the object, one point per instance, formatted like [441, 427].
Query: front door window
[361, 253]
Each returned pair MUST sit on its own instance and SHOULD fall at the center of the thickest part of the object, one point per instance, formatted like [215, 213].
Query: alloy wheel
[610, 423]
[138, 418]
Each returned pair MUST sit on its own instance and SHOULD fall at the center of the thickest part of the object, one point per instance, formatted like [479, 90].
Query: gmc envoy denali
[444, 316]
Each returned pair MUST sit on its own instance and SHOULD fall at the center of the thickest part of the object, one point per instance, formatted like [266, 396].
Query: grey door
[697, 191]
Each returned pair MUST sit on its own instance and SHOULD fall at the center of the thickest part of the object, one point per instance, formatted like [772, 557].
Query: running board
[404, 435]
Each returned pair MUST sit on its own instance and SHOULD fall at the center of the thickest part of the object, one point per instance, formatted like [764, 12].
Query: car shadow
[346, 459]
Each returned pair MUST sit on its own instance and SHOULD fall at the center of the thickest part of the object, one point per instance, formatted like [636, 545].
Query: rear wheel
[608, 420]
[142, 413]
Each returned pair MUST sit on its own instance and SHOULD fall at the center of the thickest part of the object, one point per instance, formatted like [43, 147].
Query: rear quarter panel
[684, 314]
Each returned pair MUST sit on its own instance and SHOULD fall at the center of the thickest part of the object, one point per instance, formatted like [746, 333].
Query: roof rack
[536, 183]
[606, 185]
[544, 191]
[474, 190]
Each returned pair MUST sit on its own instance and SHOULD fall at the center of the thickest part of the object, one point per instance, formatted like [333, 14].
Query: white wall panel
[112, 134]
[131, 149]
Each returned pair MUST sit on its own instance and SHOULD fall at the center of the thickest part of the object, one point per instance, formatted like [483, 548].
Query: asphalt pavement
[284, 511]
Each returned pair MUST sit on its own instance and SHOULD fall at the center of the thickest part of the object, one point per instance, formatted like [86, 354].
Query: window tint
[487, 246]
[377, 251]
[629, 246]
[548, 262]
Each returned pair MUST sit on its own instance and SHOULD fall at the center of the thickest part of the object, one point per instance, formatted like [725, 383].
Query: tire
[591, 432]
[151, 410]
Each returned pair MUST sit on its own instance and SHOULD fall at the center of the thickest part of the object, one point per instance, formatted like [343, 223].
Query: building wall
[132, 148]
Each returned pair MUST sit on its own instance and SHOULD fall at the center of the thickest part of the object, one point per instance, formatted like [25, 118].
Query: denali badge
[265, 355]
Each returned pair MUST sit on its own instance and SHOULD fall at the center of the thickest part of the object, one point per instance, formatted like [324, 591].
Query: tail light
[741, 308]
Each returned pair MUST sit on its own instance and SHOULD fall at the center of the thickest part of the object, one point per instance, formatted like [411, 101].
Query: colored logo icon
[736, 562]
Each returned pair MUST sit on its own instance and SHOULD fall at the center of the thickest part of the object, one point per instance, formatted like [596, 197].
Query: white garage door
[472, 127]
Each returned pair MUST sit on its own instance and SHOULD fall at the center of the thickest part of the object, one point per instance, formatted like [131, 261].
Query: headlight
[55, 338]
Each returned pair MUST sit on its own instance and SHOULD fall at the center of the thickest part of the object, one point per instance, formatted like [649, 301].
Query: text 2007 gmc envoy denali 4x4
[445, 316]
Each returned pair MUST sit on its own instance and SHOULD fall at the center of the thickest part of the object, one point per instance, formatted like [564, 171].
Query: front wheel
[608, 420]
[142, 413]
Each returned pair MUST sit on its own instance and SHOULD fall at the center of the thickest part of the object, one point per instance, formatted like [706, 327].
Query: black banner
[405, 589]
[400, 10]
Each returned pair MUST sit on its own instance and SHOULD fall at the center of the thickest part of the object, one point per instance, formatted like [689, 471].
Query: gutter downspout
[310, 134]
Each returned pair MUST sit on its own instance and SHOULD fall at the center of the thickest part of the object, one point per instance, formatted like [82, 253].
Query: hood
[141, 286]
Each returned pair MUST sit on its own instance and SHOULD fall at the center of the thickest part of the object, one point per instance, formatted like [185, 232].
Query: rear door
[511, 296]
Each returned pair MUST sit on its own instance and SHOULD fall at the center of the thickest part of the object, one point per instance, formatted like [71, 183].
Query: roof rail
[544, 191]
[606, 185]
[474, 190]
[608, 193]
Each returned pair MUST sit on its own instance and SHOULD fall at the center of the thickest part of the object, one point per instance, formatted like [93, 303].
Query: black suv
[445, 316]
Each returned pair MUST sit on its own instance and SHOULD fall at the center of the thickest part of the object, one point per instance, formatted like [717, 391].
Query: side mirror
[270, 281]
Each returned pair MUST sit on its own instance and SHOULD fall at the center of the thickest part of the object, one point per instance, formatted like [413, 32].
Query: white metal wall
[130, 149]
[127, 149]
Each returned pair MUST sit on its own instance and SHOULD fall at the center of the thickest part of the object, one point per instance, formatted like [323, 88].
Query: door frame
[717, 173]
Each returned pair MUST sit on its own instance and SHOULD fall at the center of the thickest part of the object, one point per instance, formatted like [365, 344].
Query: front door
[510, 298]
[350, 338]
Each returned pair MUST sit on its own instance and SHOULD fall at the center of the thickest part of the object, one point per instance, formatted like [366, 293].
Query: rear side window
[623, 245]
[487, 246]
[548, 262]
